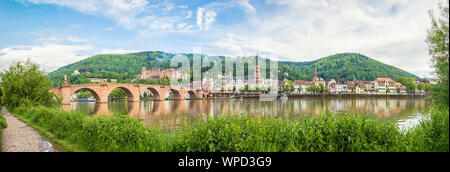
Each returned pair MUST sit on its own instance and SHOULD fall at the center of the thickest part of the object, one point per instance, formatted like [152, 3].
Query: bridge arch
[157, 93]
[92, 91]
[176, 94]
[191, 94]
[130, 95]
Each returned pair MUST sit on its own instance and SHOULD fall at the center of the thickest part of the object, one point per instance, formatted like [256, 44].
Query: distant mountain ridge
[350, 66]
[125, 67]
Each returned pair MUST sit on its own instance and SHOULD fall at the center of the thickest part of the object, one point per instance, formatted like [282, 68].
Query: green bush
[3, 123]
[432, 135]
[328, 133]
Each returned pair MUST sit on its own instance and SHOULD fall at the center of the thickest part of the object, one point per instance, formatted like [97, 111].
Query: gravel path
[19, 137]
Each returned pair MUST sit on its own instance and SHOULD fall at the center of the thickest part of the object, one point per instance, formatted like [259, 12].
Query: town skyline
[57, 33]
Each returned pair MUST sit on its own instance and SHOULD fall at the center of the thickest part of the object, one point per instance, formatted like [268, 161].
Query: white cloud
[49, 56]
[246, 4]
[189, 15]
[143, 15]
[392, 31]
[118, 51]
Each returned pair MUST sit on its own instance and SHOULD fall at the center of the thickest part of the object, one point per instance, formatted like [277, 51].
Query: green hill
[126, 67]
[350, 66]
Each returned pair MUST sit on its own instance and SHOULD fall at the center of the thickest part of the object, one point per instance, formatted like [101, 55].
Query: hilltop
[125, 67]
[350, 66]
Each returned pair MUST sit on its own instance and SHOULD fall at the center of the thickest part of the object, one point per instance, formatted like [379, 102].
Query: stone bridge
[133, 91]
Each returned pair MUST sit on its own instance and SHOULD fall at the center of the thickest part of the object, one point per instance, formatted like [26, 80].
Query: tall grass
[432, 134]
[328, 133]
[3, 125]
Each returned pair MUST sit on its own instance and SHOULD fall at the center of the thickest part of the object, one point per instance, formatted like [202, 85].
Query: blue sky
[55, 33]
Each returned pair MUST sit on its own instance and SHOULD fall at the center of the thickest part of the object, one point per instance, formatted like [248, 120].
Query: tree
[388, 90]
[438, 43]
[234, 89]
[291, 88]
[117, 93]
[411, 87]
[403, 80]
[398, 90]
[83, 94]
[24, 84]
[421, 86]
[428, 87]
[300, 89]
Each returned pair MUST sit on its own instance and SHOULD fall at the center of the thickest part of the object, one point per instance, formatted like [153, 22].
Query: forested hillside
[125, 67]
[351, 66]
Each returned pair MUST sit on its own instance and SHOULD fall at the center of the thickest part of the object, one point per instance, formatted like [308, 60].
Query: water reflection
[170, 114]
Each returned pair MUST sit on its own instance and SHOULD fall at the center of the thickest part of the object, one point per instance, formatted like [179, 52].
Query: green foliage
[125, 67]
[421, 86]
[96, 134]
[328, 133]
[84, 94]
[348, 66]
[25, 84]
[432, 135]
[313, 88]
[164, 81]
[3, 123]
[438, 43]
[409, 83]
[117, 93]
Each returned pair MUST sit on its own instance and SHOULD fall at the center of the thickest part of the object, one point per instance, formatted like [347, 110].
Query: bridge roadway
[133, 91]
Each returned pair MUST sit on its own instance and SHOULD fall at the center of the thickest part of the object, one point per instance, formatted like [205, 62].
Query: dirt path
[19, 137]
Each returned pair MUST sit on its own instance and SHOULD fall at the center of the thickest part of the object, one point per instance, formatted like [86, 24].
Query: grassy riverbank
[329, 133]
[3, 125]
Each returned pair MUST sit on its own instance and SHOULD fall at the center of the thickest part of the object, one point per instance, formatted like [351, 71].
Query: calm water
[170, 114]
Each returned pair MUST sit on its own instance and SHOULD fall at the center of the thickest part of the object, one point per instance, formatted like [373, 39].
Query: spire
[315, 72]
[257, 57]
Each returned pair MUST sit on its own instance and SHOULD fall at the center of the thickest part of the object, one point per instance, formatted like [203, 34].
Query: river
[171, 114]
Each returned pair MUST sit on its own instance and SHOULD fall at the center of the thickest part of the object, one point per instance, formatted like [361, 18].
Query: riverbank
[3, 125]
[18, 137]
[328, 133]
[355, 96]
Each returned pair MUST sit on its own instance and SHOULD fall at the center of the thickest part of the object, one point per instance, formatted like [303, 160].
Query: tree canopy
[24, 84]
[438, 43]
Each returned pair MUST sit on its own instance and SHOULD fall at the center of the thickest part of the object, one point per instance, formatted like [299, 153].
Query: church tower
[144, 72]
[315, 73]
[257, 70]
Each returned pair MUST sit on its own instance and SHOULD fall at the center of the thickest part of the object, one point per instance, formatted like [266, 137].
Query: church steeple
[257, 72]
[257, 58]
[315, 73]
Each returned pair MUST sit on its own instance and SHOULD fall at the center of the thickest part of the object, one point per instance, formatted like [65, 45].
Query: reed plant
[3, 125]
[243, 133]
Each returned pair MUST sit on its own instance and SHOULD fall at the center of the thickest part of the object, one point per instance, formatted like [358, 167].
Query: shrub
[228, 133]
[432, 135]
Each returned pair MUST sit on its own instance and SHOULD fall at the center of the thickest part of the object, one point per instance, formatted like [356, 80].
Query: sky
[55, 33]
